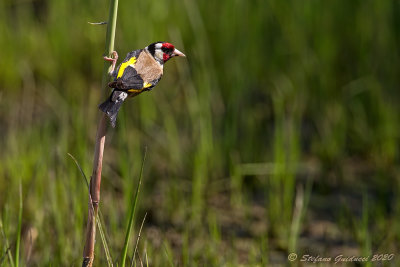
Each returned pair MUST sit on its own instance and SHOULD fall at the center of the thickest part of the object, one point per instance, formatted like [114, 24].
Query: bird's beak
[178, 53]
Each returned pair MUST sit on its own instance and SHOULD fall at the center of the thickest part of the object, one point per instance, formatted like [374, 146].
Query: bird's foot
[115, 56]
[113, 60]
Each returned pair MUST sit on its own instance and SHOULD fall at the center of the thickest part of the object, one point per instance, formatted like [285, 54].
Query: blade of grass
[17, 245]
[132, 213]
[104, 241]
[99, 222]
[169, 258]
[2, 259]
[7, 245]
[301, 204]
[137, 241]
[147, 259]
[80, 169]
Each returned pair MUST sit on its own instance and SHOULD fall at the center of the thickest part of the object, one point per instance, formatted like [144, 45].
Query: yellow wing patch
[145, 85]
[124, 65]
[135, 90]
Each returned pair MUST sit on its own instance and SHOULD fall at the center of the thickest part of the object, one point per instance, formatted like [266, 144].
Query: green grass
[273, 96]
[132, 216]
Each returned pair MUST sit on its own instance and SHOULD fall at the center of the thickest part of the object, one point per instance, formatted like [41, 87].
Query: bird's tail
[112, 105]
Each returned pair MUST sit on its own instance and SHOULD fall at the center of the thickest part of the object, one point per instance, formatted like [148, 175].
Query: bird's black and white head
[163, 51]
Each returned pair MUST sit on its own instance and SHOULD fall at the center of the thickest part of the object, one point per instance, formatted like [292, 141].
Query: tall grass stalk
[99, 221]
[137, 241]
[95, 180]
[300, 205]
[132, 215]
[6, 244]
[17, 246]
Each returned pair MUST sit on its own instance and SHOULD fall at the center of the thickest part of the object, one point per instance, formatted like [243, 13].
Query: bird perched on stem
[140, 71]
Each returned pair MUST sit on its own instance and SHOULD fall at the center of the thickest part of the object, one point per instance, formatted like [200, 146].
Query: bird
[140, 71]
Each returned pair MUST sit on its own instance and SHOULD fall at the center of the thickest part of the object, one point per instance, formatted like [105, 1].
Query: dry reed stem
[94, 193]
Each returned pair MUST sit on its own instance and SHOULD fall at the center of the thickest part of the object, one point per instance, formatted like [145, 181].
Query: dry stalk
[95, 179]
[94, 192]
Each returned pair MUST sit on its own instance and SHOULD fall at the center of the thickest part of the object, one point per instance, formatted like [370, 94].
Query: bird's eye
[166, 50]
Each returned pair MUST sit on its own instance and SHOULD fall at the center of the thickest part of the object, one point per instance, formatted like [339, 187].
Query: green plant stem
[110, 37]
[7, 245]
[132, 214]
[137, 240]
[95, 179]
[19, 227]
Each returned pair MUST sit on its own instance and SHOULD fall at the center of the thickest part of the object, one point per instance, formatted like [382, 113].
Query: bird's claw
[112, 59]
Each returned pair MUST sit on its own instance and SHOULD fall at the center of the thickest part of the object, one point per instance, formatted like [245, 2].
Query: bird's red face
[170, 51]
[167, 48]
[163, 51]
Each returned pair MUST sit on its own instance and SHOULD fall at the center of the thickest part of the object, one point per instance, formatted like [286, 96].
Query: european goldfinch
[140, 71]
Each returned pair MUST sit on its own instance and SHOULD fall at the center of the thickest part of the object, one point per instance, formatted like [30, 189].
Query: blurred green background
[278, 133]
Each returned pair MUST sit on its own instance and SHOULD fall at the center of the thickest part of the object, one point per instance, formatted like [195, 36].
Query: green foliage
[132, 216]
[273, 95]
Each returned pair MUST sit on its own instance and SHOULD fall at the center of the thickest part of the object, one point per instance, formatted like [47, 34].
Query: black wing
[126, 76]
[130, 79]
[131, 54]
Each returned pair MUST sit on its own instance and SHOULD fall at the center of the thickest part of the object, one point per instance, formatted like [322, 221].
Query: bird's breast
[148, 68]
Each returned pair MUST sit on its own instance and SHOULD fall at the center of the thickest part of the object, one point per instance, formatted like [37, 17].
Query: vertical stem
[95, 179]
[94, 193]
[132, 214]
[19, 226]
[110, 37]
